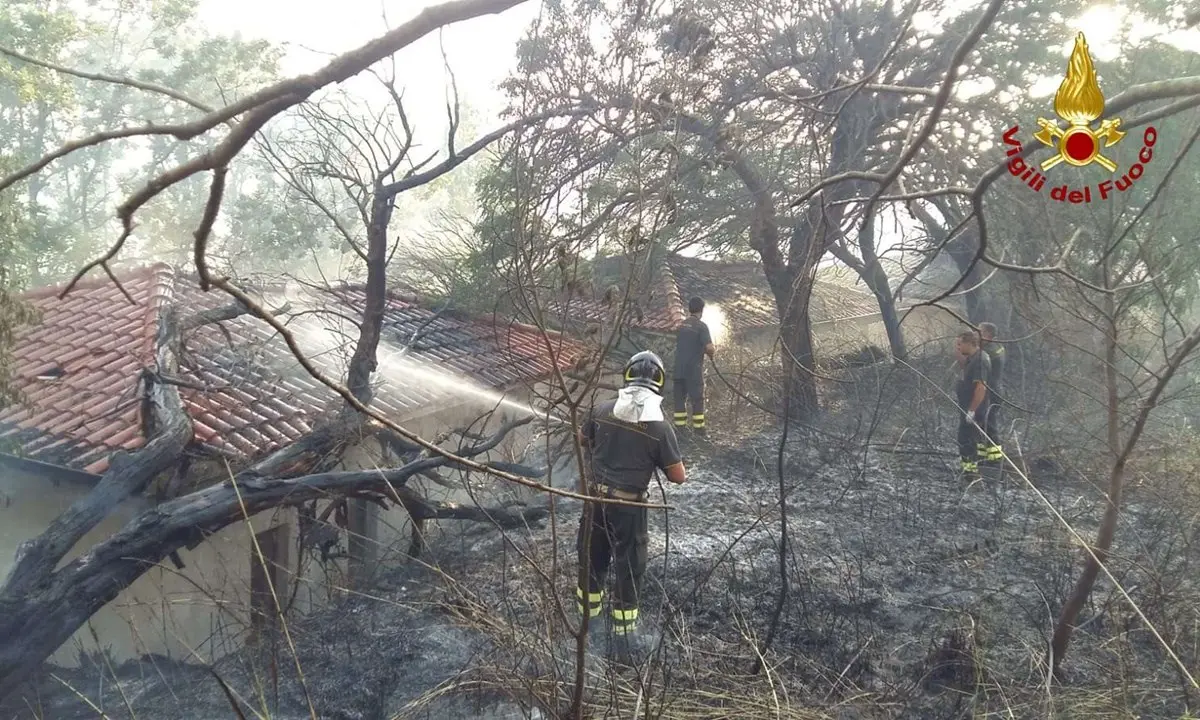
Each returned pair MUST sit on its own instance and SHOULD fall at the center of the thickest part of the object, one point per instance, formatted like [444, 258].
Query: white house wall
[199, 612]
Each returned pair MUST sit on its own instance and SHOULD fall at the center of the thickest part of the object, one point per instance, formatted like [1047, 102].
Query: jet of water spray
[718, 326]
[327, 343]
[400, 369]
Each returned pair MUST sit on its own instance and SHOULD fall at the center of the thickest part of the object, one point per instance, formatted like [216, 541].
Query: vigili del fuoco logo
[1079, 102]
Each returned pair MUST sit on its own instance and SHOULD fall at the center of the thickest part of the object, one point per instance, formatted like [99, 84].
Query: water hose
[666, 561]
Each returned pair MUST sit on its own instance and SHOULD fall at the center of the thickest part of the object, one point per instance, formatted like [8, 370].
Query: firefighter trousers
[969, 442]
[619, 538]
[988, 448]
[690, 388]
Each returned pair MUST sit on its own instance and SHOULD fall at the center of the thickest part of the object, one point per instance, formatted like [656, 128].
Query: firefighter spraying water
[625, 440]
[693, 342]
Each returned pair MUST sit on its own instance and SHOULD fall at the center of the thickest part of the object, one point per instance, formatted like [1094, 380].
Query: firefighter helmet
[645, 369]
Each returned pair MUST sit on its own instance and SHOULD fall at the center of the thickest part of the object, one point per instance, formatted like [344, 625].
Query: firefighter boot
[626, 644]
[990, 460]
[970, 470]
[681, 424]
[632, 648]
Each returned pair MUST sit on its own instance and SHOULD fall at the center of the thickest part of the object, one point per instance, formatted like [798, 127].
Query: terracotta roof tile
[131, 436]
[255, 395]
[241, 444]
[97, 467]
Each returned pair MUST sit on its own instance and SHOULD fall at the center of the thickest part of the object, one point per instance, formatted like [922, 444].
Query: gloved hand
[970, 416]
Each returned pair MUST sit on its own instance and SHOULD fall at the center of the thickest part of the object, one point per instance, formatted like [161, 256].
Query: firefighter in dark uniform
[693, 342]
[990, 451]
[972, 392]
[625, 441]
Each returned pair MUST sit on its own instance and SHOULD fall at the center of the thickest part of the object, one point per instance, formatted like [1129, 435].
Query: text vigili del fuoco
[1100, 191]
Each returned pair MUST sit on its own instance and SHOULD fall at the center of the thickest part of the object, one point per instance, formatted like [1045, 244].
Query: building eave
[53, 472]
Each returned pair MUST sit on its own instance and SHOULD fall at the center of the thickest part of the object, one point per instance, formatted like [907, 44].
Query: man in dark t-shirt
[625, 441]
[693, 342]
[971, 392]
[990, 451]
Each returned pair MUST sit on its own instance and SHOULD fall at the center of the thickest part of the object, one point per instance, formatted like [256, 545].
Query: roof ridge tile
[92, 283]
[161, 294]
[674, 297]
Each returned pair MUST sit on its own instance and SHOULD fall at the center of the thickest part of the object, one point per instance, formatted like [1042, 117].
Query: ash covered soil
[910, 595]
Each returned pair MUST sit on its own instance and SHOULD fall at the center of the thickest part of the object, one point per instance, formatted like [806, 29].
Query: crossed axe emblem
[1079, 152]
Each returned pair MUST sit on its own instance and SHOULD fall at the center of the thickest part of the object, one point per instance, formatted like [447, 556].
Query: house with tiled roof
[740, 308]
[79, 369]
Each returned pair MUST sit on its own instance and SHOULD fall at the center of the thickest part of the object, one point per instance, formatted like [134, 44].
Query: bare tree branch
[455, 159]
[113, 79]
[939, 103]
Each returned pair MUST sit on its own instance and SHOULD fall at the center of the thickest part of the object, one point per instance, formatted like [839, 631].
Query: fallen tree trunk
[37, 624]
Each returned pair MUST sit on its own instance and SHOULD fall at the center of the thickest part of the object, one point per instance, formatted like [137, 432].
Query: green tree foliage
[13, 312]
[479, 256]
[70, 207]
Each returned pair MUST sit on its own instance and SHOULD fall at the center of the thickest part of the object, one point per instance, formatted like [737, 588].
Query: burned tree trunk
[877, 281]
[962, 251]
[796, 351]
[872, 274]
[362, 526]
[866, 264]
[364, 361]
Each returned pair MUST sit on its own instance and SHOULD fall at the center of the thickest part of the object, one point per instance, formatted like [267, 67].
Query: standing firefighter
[972, 394]
[990, 452]
[626, 440]
[691, 345]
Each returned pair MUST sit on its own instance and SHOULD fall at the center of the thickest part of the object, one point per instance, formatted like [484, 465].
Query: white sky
[481, 51]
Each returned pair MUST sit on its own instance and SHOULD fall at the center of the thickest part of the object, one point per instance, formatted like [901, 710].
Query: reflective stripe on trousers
[990, 452]
[697, 420]
[594, 602]
[624, 621]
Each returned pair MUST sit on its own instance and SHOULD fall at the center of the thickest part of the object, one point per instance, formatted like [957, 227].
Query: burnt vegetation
[826, 558]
